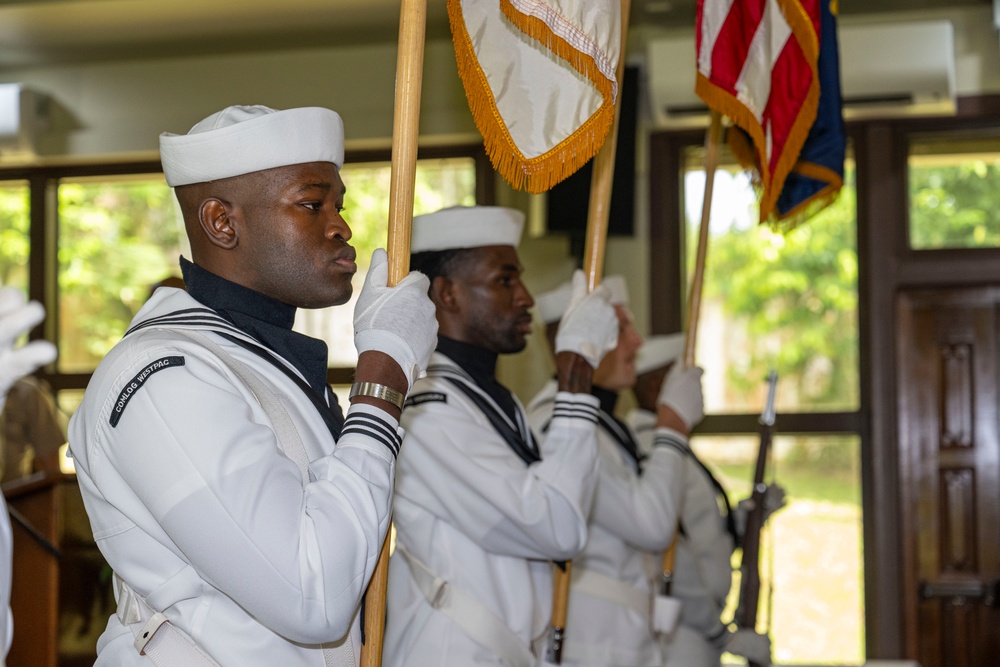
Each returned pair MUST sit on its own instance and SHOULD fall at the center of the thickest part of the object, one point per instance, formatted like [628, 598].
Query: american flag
[772, 67]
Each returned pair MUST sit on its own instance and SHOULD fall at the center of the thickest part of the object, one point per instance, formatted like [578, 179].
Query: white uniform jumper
[479, 514]
[633, 519]
[703, 568]
[193, 502]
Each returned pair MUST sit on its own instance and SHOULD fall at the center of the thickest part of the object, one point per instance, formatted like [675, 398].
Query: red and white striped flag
[540, 77]
[758, 65]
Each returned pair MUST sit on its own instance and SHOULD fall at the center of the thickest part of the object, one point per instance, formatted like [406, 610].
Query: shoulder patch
[426, 397]
[135, 384]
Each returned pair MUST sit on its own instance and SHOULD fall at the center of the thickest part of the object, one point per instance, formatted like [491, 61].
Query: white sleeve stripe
[364, 430]
[668, 440]
[574, 411]
[375, 427]
[375, 423]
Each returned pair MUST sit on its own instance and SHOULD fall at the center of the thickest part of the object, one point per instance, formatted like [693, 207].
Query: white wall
[119, 108]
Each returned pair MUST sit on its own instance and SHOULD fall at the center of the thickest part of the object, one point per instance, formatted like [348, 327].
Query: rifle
[746, 611]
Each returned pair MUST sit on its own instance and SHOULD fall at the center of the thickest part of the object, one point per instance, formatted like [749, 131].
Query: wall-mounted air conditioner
[23, 115]
[886, 71]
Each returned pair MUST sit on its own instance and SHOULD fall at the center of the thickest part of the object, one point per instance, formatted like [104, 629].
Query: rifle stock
[746, 610]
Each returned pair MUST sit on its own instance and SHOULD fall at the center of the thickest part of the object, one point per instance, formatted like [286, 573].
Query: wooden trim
[340, 375]
[53, 171]
[881, 233]
[805, 423]
[666, 233]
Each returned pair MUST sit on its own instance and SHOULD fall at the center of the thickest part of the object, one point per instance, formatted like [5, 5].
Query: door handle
[962, 591]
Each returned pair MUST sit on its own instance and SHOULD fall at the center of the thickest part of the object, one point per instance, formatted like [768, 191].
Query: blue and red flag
[772, 67]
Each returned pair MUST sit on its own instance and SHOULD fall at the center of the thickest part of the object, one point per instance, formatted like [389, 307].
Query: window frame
[667, 300]
[668, 304]
[43, 234]
[886, 265]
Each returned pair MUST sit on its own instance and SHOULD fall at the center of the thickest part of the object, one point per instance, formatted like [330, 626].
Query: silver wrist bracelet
[376, 390]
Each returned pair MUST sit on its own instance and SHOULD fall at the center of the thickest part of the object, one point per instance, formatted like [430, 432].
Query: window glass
[787, 301]
[953, 193]
[118, 236]
[438, 183]
[811, 561]
[14, 241]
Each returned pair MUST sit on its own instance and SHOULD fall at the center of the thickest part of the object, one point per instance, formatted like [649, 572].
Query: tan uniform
[31, 430]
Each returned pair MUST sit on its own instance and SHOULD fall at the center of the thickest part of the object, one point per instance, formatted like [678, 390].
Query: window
[118, 236]
[953, 184]
[771, 300]
[788, 302]
[14, 241]
[112, 232]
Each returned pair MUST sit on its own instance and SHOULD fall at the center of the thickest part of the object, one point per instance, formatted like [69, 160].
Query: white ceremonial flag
[540, 79]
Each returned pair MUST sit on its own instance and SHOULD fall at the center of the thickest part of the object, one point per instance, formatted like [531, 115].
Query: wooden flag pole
[602, 178]
[593, 265]
[713, 137]
[405, 130]
[712, 140]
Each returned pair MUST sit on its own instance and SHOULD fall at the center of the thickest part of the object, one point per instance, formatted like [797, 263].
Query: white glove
[398, 321]
[754, 647]
[589, 326]
[16, 319]
[681, 392]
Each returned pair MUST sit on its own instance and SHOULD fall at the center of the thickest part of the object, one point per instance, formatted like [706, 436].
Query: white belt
[612, 590]
[475, 620]
[155, 636]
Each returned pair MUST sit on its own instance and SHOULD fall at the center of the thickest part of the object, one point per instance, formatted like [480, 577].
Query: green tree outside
[14, 243]
[953, 202]
[118, 236]
[795, 297]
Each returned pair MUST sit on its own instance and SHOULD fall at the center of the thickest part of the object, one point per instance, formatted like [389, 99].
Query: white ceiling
[40, 32]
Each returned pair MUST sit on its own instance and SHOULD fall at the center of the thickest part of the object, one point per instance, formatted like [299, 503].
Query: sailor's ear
[443, 294]
[219, 220]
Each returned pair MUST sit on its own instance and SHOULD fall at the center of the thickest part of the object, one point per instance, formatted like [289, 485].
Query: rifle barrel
[746, 611]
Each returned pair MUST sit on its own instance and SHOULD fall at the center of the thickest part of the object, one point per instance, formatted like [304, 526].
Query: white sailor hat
[618, 288]
[658, 351]
[552, 304]
[466, 227]
[242, 139]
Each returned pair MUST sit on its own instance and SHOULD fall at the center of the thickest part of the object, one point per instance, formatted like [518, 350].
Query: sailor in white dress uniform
[482, 505]
[242, 514]
[634, 516]
[702, 573]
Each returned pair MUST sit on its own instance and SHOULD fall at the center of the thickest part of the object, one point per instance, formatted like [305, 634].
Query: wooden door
[34, 596]
[949, 453]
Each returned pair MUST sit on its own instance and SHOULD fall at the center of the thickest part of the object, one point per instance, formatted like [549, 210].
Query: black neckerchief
[481, 365]
[614, 426]
[263, 318]
[478, 366]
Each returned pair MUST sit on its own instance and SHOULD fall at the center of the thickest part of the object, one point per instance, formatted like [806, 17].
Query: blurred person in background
[16, 362]
[709, 530]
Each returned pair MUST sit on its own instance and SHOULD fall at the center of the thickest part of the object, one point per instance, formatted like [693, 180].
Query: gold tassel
[538, 174]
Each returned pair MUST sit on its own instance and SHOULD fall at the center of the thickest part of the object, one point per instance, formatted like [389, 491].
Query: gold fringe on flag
[812, 205]
[537, 174]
